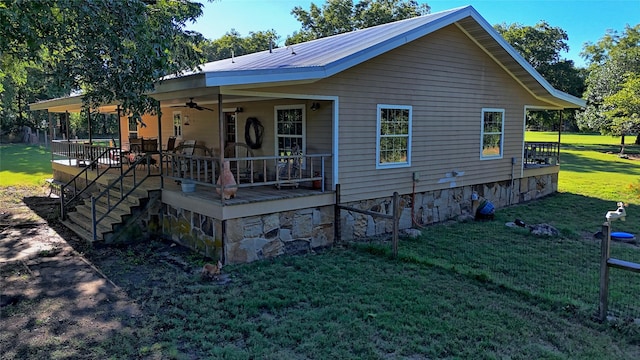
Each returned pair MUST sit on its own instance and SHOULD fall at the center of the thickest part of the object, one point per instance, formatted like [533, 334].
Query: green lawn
[475, 290]
[24, 165]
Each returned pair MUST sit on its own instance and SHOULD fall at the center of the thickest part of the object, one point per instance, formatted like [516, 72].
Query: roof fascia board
[71, 101]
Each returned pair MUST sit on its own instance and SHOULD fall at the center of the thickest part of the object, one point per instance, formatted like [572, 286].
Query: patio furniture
[240, 168]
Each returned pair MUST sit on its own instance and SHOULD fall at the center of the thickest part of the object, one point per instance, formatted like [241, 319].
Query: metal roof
[325, 57]
[328, 56]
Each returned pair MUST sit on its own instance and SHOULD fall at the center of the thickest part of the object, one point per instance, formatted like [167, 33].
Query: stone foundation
[440, 205]
[301, 231]
[195, 231]
[266, 236]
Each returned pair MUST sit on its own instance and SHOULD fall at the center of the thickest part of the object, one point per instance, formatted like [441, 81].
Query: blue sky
[584, 20]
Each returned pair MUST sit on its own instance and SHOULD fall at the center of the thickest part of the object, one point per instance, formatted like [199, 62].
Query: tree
[114, 51]
[340, 16]
[541, 46]
[223, 47]
[614, 66]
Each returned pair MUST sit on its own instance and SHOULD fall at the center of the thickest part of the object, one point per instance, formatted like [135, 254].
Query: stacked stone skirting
[301, 231]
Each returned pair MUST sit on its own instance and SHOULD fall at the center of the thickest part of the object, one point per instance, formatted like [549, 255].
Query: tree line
[115, 52]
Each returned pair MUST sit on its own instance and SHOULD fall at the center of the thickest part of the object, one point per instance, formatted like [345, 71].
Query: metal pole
[605, 252]
[94, 226]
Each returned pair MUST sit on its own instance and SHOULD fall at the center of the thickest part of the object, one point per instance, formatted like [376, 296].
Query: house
[432, 107]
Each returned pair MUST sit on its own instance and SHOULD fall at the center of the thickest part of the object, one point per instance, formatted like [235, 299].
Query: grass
[475, 290]
[24, 165]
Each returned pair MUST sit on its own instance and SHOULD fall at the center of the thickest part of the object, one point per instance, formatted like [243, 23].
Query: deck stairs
[113, 228]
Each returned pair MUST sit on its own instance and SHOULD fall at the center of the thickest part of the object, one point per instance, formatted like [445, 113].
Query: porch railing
[279, 171]
[541, 153]
[116, 192]
[84, 153]
[87, 181]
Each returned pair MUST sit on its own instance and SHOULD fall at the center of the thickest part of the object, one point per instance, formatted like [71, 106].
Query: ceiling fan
[193, 105]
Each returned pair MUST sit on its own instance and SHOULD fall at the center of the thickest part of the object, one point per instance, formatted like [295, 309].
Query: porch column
[50, 133]
[120, 154]
[221, 130]
[559, 135]
[89, 121]
[66, 124]
[160, 144]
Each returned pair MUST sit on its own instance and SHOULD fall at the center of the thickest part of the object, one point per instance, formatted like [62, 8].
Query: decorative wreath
[254, 140]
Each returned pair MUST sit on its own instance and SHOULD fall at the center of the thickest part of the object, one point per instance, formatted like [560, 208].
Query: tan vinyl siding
[448, 80]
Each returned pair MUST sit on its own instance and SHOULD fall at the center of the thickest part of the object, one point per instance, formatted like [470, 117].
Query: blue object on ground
[487, 209]
[620, 235]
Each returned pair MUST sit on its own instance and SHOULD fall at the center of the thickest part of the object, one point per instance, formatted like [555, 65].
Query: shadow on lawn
[585, 164]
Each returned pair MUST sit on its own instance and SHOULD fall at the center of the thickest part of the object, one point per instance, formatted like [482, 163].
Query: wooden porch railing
[541, 153]
[277, 171]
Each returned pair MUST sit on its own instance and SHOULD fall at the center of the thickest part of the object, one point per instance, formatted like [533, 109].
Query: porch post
[119, 152]
[66, 126]
[50, 133]
[221, 129]
[160, 143]
[89, 121]
[559, 133]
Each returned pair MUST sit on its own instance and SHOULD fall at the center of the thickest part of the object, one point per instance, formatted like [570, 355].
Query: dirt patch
[56, 299]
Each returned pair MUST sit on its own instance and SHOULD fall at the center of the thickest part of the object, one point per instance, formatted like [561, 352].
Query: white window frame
[379, 136]
[177, 124]
[483, 133]
[303, 136]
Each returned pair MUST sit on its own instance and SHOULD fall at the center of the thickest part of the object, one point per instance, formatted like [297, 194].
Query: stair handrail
[142, 160]
[85, 171]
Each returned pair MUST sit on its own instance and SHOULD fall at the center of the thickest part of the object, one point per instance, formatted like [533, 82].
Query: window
[394, 136]
[492, 133]
[133, 127]
[290, 130]
[177, 124]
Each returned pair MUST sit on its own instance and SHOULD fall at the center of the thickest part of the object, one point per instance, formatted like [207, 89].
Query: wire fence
[562, 270]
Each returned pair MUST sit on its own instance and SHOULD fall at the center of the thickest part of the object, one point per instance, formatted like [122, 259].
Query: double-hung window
[290, 130]
[492, 134]
[393, 145]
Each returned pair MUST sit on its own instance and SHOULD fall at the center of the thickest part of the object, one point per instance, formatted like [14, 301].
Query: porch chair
[171, 144]
[241, 169]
